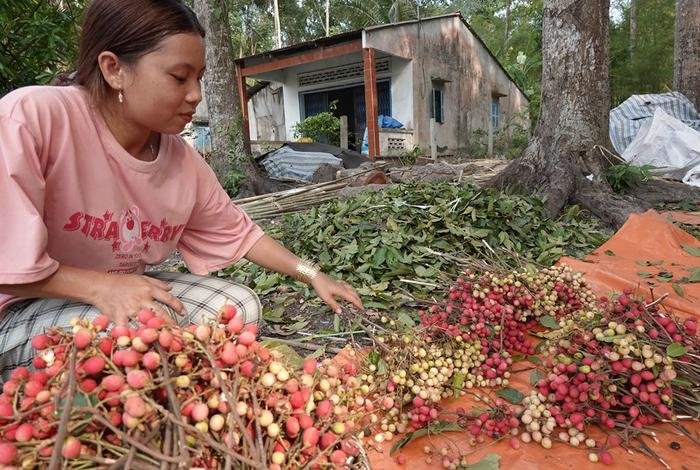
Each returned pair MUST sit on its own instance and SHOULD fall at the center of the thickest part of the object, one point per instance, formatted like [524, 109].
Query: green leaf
[535, 360]
[675, 350]
[318, 353]
[289, 355]
[489, 462]
[644, 274]
[379, 256]
[694, 274]
[437, 427]
[511, 395]
[405, 319]
[550, 322]
[336, 323]
[535, 377]
[403, 441]
[609, 252]
[695, 251]
[276, 315]
[678, 289]
[382, 367]
[681, 383]
[664, 276]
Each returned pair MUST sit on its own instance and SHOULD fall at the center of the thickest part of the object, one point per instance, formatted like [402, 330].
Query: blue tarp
[385, 122]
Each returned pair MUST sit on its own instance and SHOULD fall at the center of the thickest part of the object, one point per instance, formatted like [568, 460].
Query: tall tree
[633, 28]
[228, 149]
[562, 162]
[641, 62]
[686, 65]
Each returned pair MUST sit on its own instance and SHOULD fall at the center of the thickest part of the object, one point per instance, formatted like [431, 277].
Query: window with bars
[437, 108]
[495, 113]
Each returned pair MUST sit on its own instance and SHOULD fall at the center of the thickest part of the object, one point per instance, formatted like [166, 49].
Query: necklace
[152, 147]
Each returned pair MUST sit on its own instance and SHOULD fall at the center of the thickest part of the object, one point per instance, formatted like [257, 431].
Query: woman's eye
[179, 79]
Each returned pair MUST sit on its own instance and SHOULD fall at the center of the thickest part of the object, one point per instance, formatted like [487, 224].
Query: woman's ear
[111, 69]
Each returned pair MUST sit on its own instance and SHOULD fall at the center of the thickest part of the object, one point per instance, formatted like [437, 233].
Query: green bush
[38, 40]
[322, 127]
[626, 176]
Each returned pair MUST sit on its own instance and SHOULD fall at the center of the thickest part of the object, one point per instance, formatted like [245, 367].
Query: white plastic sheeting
[630, 116]
[669, 145]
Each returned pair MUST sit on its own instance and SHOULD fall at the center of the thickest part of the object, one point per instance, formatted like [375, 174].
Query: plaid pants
[202, 297]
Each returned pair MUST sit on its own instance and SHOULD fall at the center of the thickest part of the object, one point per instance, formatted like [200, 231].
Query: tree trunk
[222, 98]
[686, 64]
[633, 28]
[278, 30]
[507, 31]
[561, 163]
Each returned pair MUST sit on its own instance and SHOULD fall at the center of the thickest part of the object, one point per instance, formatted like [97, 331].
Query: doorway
[348, 101]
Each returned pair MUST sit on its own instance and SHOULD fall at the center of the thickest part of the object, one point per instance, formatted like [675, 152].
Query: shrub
[322, 127]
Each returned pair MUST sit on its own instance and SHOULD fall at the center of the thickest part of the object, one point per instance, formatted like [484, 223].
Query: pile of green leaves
[378, 238]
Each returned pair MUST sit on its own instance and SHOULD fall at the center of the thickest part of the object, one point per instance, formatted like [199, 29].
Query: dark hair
[130, 29]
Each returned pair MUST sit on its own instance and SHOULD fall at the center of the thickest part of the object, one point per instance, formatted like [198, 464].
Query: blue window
[438, 105]
[495, 113]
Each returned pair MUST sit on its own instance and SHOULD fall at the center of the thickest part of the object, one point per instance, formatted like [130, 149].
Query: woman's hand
[122, 296]
[328, 289]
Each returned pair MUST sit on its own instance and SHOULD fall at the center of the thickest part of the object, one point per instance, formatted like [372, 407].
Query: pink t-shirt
[69, 193]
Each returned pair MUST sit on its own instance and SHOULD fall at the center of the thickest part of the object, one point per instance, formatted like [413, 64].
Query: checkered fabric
[202, 297]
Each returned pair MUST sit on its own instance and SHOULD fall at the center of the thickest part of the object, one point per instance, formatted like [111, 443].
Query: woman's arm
[119, 296]
[271, 255]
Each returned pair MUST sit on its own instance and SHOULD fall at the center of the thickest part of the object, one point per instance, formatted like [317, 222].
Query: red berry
[40, 342]
[8, 452]
[101, 322]
[71, 448]
[94, 365]
[246, 338]
[606, 458]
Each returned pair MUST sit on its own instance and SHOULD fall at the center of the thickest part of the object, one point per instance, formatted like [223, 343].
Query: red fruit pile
[623, 365]
[200, 395]
[499, 310]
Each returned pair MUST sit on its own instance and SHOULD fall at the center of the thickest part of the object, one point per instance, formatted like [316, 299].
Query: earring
[120, 96]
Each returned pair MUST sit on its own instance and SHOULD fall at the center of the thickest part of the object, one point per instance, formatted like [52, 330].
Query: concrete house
[433, 69]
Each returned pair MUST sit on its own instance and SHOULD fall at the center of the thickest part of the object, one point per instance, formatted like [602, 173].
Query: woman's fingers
[350, 294]
[170, 300]
[330, 301]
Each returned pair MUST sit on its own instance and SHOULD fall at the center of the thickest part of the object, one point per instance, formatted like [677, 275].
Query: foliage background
[39, 38]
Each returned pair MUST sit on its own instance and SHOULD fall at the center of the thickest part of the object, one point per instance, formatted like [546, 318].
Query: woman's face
[162, 90]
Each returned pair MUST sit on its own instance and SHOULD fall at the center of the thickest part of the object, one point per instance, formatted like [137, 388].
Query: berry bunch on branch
[158, 396]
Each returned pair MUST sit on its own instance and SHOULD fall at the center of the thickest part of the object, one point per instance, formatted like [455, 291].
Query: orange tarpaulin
[638, 256]
[646, 254]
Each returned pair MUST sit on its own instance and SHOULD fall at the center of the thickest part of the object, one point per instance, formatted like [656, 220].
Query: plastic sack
[670, 146]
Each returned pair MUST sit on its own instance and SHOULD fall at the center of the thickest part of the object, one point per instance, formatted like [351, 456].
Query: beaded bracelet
[306, 271]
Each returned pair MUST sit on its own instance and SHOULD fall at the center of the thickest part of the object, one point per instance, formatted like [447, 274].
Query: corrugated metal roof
[307, 45]
[353, 35]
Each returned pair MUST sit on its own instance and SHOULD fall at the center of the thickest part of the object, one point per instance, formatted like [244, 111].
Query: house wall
[402, 91]
[401, 76]
[446, 50]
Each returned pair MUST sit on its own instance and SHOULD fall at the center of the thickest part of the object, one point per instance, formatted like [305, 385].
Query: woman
[95, 184]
